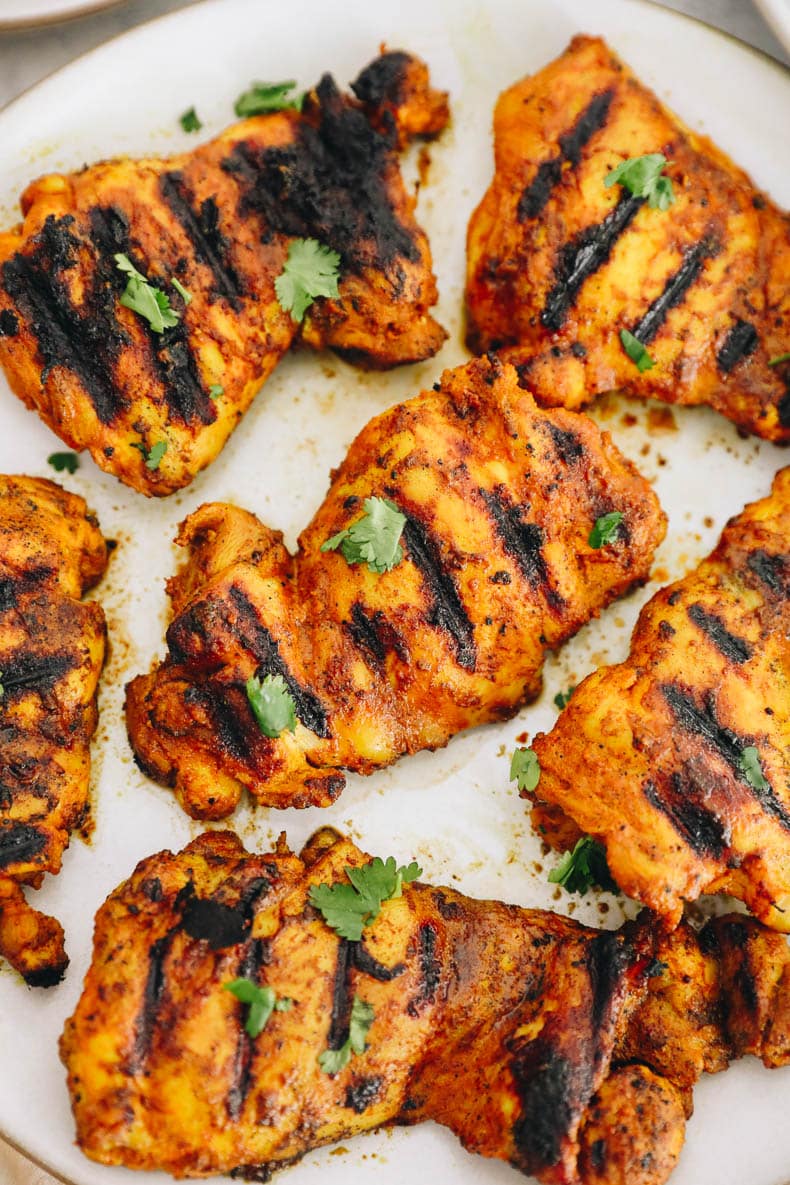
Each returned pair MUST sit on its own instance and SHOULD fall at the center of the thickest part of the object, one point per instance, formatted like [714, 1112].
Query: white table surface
[27, 57]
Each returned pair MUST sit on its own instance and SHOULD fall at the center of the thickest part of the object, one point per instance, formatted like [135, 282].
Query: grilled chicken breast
[558, 264]
[499, 500]
[568, 1052]
[218, 221]
[51, 655]
[678, 759]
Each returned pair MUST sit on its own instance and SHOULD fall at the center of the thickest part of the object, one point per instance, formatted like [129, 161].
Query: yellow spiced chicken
[451, 551]
[617, 249]
[678, 759]
[139, 313]
[241, 1010]
[51, 655]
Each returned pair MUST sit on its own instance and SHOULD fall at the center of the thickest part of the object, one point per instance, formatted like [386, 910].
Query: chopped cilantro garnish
[216, 391]
[190, 121]
[636, 351]
[267, 96]
[155, 455]
[182, 292]
[332, 1061]
[311, 270]
[272, 705]
[562, 697]
[143, 298]
[373, 539]
[583, 867]
[349, 908]
[606, 529]
[779, 358]
[751, 768]
[525, 769]
[69, 462]
[641, 175]
[261, 1003]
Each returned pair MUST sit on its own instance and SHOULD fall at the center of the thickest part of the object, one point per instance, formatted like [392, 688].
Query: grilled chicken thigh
[568, 1052]
[51, 655]
[218, 221]
[499, 500]
[678, 759]
[558, 264]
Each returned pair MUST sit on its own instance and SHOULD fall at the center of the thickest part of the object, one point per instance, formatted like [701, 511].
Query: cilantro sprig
[348, 909]
[525, 769]
[636, 351]
[144, 299]
[751, 768]
[779, 359]
[261, 1003]
[332, 1061]
[190, 121]
[606, 530]
[262, 97]
[311, 270]
[642, 176]
[584, 867]
[152, 456]
[60, 462]
[216, 391]
[272, 705]
[562, 698]
[373, 539]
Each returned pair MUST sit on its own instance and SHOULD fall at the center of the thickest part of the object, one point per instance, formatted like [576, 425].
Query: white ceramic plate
[777, 13]
[453, 810]
[23, 14]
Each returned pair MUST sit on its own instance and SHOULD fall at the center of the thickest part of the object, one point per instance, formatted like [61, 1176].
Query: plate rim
[82, 9]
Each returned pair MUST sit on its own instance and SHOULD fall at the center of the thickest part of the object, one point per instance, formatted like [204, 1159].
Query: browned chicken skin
[558, 264]
[568, 1052]
[51, 655]
[649, 756]
[219, 220]
[499, 499]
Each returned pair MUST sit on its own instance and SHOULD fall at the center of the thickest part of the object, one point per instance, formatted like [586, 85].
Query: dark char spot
[447, 612]
[20, 842]
[675, 290]
[522, 540]
[733, 648]
[362, 1093]
[741, 340]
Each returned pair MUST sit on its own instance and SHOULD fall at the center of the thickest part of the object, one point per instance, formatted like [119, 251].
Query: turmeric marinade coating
[218, 221]
[678, 759]
[51, 655]
[558, 264]
[499, 500]
[570, 1053]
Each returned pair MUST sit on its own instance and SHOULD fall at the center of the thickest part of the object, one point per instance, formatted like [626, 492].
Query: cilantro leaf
[332, 1061]
[216, 391]
[152, 458]
[267, 96]
[143, 298]
[562, 697]
[311, 270]
[641, 175]
[583, 867]
[190, 121]
[181, 290]
[525, 769]
[373, 539]
[606, 530]
[261, 1003]
[751, 768]
[779, 358]
[349, 908]
[60, 461]
[272, 705]
[636, 351]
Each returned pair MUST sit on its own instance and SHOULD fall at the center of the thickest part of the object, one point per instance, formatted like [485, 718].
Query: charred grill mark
[29, 581]
[523, 541]
[675, 290]
[608, 960]
[330, 184]
[220, 925]
[202, 228]
[9, 324]
[249, 968]
[341, 997]
[732, 647]
[365, 962]
[88, 345]
[20, 842]
[741, 340]
[698, 827]
[583, 256]
[256, 639]
[447, 612]
[225, 721]
[783, 407]
[772, 570]
[703, 723]
[430, 968]
[35, 672]
[572, 142]
[567, 444]
[544, 1081]
[362, 1093]
[152, 998]
[364, 632]
[382, 81]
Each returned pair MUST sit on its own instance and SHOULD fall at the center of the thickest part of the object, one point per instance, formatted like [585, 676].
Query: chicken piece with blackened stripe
[51, 654]
[678, 759]
[559, 264]
[496, 500]
[568, 1052]
[212, 230]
